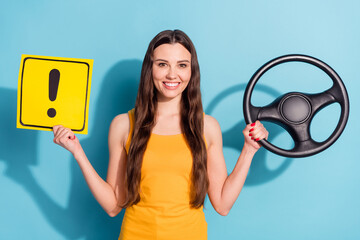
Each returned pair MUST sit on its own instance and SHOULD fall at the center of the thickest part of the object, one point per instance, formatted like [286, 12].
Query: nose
[171, 74]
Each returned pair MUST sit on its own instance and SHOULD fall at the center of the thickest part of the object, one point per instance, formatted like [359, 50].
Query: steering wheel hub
[295, 108]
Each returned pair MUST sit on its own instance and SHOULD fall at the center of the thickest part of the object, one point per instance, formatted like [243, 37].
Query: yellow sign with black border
[54, 91]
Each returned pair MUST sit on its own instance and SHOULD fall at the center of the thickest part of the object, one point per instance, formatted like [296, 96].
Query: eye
[183, 65]
[161, 64]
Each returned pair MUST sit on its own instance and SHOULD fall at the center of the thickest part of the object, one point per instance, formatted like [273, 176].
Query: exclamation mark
[54, 78]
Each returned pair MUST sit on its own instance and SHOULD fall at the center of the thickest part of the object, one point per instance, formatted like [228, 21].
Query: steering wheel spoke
[320, 100]
[254, 111]
[337, 91]
[300, 132]
[270, 113]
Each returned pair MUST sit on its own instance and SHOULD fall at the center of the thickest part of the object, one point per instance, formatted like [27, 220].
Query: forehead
[170, 52]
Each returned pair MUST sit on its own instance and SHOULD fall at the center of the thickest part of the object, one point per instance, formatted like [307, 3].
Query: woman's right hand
[66, 138]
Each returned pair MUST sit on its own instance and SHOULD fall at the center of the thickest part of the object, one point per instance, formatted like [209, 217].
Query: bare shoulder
[120, 123]
[212, 129]
[119, 129]
[210, 122]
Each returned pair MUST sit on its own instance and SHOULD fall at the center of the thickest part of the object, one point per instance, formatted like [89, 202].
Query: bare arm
[224, 189]
[108, 193]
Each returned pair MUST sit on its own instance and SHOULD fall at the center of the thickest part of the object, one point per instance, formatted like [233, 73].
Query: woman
[166, 154]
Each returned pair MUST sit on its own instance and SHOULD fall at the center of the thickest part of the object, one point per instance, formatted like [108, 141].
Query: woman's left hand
[253, 133]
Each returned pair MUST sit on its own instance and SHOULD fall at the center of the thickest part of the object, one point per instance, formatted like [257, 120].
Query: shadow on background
[17, 147]
[233, 138]
[83, 217]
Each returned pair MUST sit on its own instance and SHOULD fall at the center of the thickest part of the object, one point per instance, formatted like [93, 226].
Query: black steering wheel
[294, 111]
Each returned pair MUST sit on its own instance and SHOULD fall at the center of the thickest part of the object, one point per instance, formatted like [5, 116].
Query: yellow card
[53, 91]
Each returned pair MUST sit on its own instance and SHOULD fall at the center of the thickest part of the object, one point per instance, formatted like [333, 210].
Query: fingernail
[250, 134]
[252, 138]
[73, 138]
[257, 139]
[251, 130]
[253, 124]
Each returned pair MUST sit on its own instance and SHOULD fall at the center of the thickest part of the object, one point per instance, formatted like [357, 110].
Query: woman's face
[171, 70]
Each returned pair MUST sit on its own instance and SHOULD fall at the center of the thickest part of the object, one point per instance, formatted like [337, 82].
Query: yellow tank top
[164, 212]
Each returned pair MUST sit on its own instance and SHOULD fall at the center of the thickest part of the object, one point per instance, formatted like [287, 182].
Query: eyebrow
[163, 60]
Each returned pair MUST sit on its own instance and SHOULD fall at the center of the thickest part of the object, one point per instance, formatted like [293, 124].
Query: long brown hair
[192, 122]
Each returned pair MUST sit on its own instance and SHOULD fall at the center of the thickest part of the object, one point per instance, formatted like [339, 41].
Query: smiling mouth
[171, 85]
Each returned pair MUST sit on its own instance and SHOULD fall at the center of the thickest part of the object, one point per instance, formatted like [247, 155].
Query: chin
[170, 96]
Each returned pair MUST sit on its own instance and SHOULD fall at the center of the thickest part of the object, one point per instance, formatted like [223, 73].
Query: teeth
[171, 84]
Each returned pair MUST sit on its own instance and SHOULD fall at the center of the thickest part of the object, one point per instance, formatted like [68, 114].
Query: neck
[169, 106]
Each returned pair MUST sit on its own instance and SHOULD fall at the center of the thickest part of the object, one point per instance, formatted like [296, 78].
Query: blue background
[43, 193]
